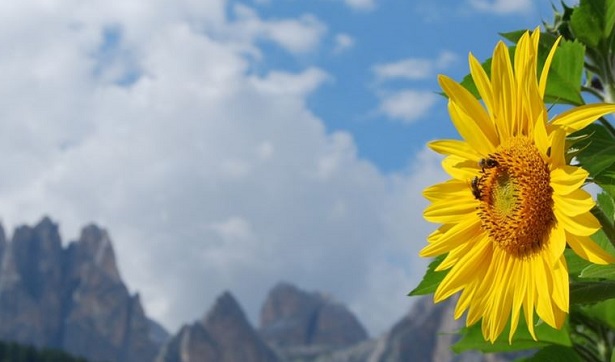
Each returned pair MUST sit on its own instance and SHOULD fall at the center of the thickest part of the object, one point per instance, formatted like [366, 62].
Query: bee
[484, 163]
[475, 190]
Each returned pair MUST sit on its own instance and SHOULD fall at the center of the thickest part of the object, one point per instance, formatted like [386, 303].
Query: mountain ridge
[73, 298]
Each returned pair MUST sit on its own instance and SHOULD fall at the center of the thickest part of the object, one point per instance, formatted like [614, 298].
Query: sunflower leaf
[604, 311]
[607, 204]
[599, 271]
[564, 81]
[431, 279]
[591, 292]
[597, 154]
[592, 21]
[553, 353]
[472, 338]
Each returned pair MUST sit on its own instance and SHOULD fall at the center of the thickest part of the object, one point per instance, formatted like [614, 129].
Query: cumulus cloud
[144, 118]
[408, 105]
[295, 35]
[502, 7]
[413, 68]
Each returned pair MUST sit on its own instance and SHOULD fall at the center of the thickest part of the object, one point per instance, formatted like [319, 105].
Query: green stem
[606, 222]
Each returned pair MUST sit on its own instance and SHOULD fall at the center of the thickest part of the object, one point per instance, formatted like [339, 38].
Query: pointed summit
[223, 335]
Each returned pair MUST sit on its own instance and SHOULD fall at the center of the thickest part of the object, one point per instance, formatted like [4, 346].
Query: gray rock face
[425, 334]
[72, 299]
[291, 317]
[223, 335]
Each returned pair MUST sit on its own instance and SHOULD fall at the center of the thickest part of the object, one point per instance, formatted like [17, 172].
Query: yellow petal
[460, 168]
[449, 212]
[574, 203]
[469, 106]
[541, 139]
[459, 234]
[473, 263]
[451, 189]
[587, 249]
[542, 85]
[455, 147]
[528, 308]
[558, 143]
[580, 117]
[561, 288]
[472, 132]
[501, 295]
[585, 224]
[455, 255]
[557, 244]
[464, 300]
[544, 286]
[503, 85]
[567, 179]
[520, 287]
[483, 84]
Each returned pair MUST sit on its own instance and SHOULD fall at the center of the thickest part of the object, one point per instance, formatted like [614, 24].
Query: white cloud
[361, 4]
[502, 7]
[206, 176]
[343, 42]
[407, 105]
[413, 68]
[295, 35]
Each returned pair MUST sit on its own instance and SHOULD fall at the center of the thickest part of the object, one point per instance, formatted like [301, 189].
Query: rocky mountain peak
[223, 334]
[291, 317]
[94, 248]
[37, 255]
[71, 299]
[225, 310]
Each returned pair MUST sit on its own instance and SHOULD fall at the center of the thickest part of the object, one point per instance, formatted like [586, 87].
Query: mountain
[71, 298]
[300, 324]
[222, 335]
[425, 334]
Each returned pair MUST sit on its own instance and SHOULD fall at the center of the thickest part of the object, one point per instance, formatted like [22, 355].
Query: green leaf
[607, 204]
[591, 292]
[431, 279]
[472, 338]
[597, 154]
[592, 21]
[554, 353]
[565, 76]
[599, 271]
[587, 22]
[604, 311]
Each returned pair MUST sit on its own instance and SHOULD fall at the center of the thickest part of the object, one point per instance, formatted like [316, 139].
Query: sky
[230, 145]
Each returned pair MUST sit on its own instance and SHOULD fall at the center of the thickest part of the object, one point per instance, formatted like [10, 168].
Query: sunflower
[513, 203]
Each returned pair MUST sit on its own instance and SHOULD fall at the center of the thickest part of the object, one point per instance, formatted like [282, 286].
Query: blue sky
[229, 145]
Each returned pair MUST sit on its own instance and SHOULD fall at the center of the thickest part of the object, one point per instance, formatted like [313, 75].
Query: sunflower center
[516, 204]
